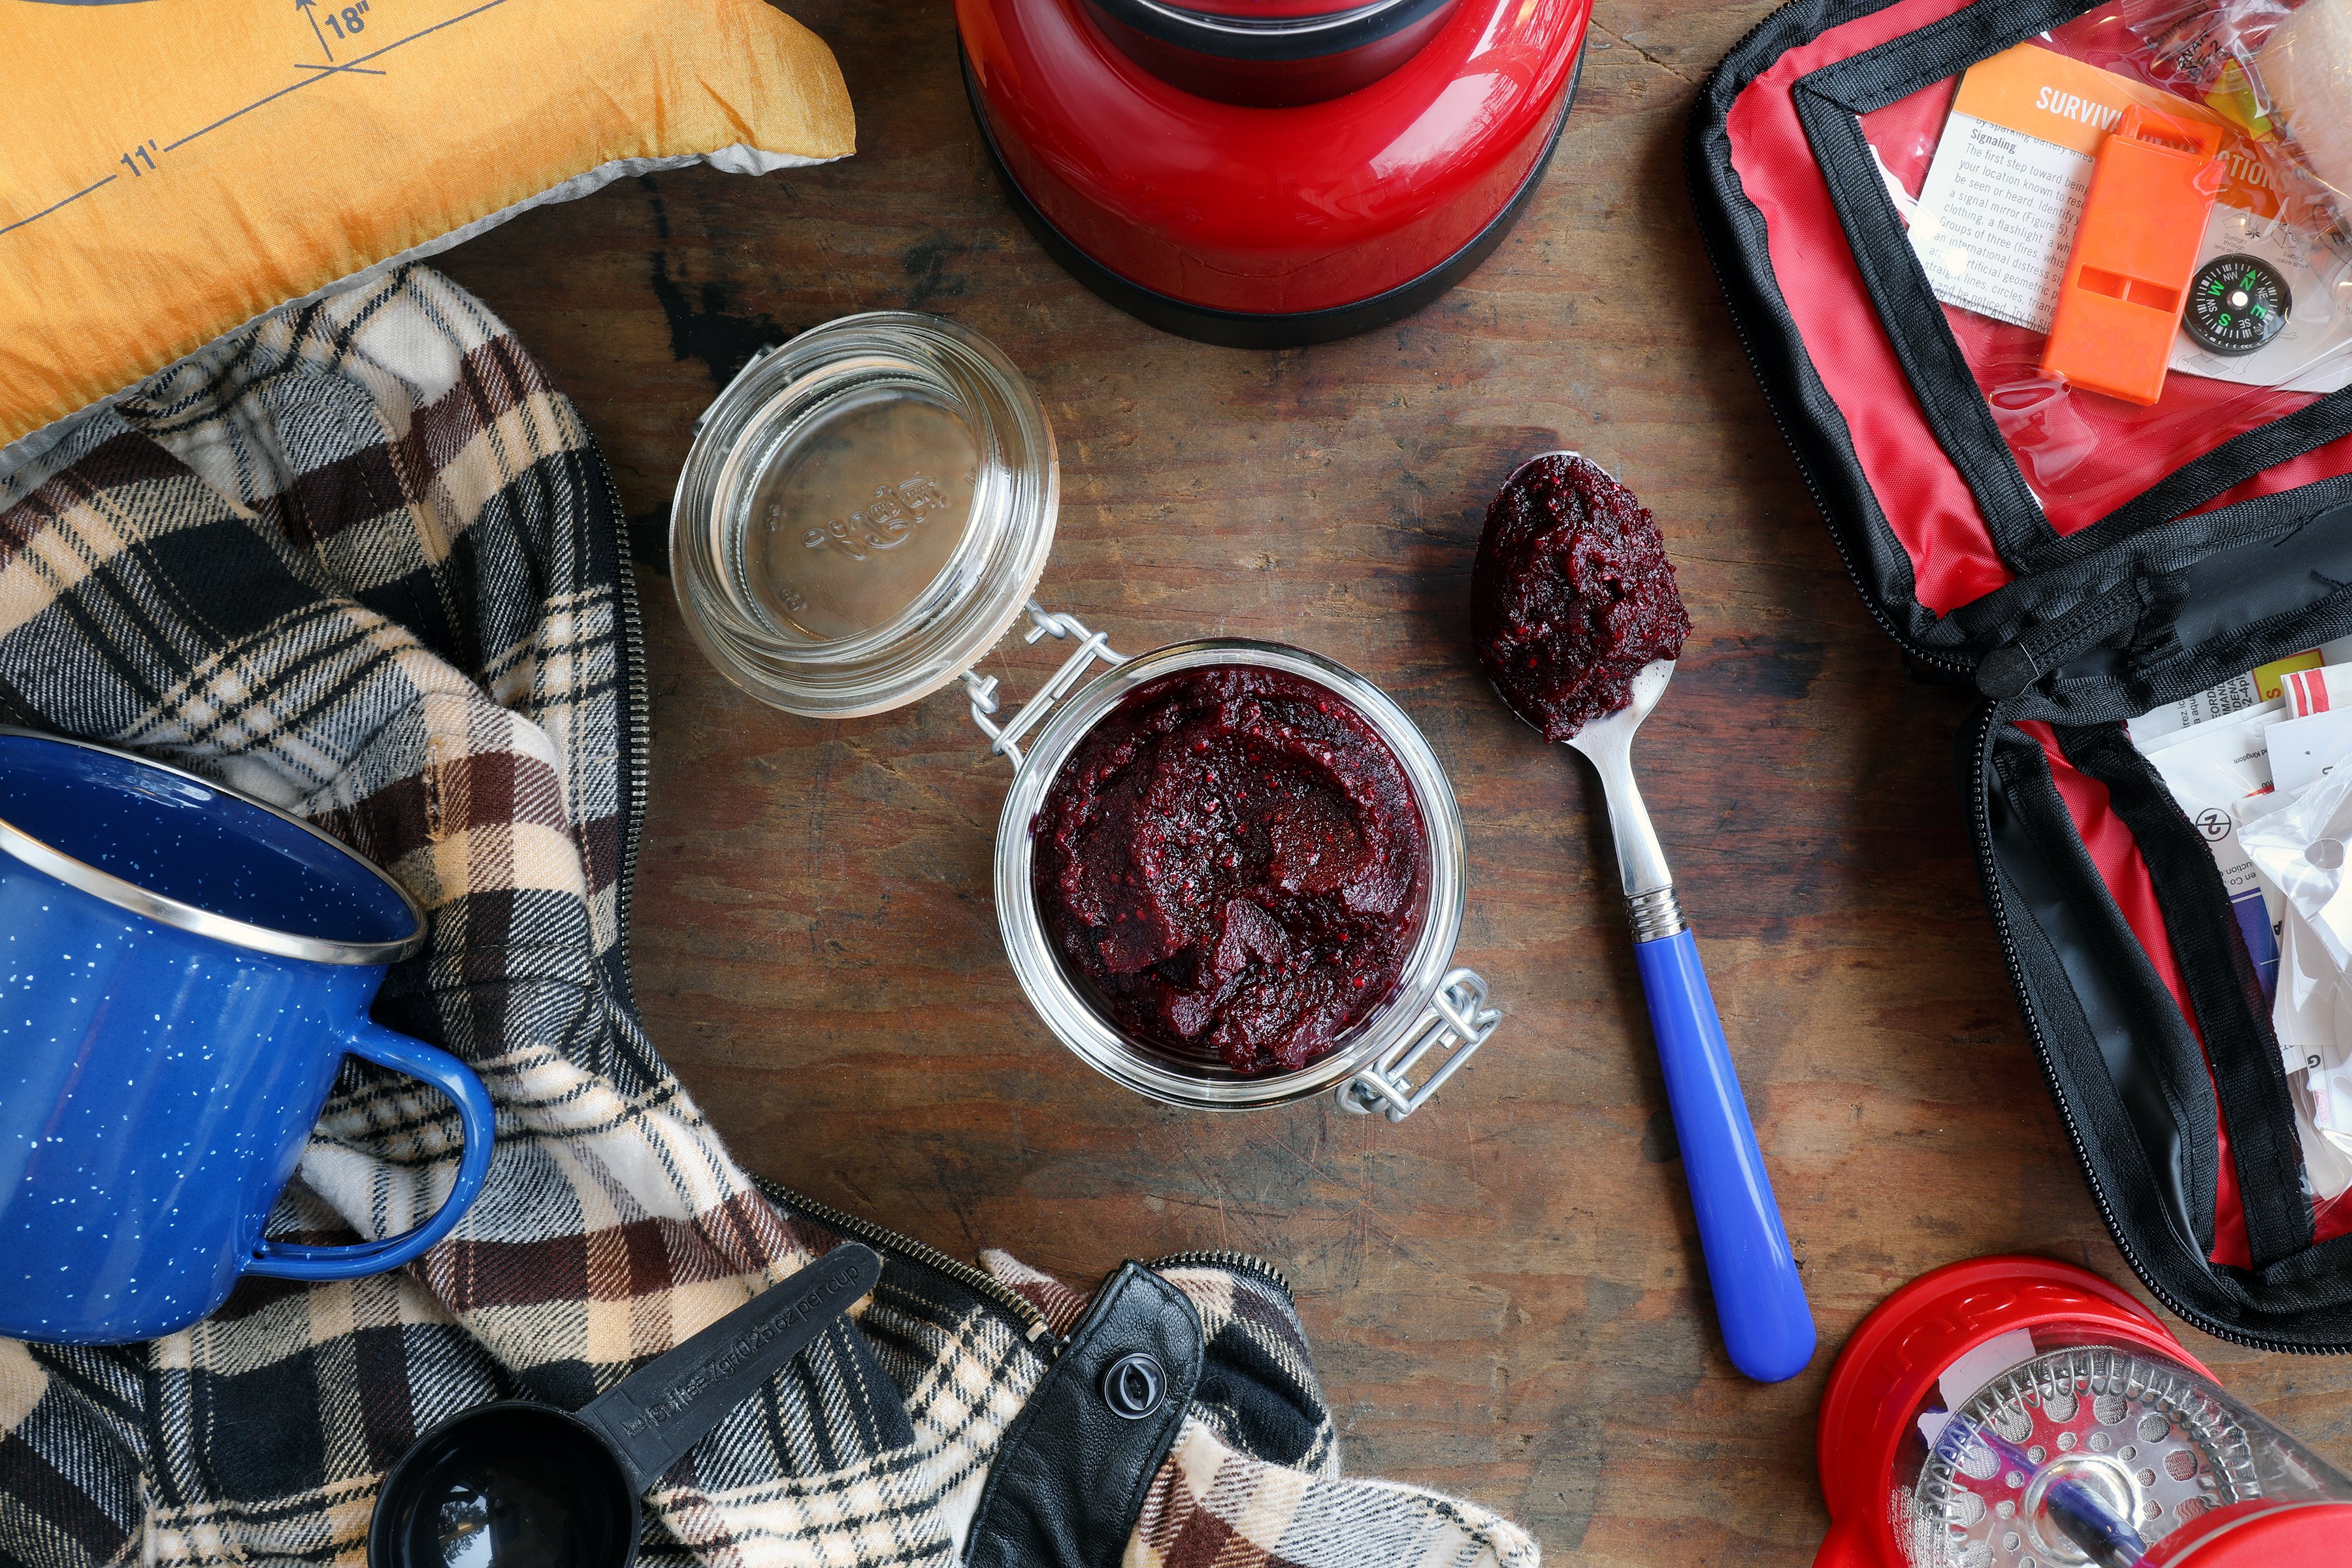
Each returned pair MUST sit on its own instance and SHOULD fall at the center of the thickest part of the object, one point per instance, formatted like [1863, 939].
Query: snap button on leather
[1133, 1385]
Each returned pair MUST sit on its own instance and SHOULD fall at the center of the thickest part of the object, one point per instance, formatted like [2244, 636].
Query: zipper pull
[2010, 668]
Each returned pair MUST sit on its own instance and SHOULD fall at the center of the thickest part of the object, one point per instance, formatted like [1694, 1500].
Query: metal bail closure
[1457, 1022]
[1003, 740]
[1434, 1007]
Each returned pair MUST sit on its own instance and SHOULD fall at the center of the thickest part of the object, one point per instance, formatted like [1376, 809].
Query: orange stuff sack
[177, 167]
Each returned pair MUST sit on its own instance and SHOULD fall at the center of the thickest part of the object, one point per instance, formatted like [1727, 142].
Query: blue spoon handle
[1766, 1327]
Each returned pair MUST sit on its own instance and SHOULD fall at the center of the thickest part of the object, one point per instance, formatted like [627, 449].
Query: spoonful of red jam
[1577, 622]
[1573, 595]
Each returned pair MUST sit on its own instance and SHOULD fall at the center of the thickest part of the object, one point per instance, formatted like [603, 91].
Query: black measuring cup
[517, 1484]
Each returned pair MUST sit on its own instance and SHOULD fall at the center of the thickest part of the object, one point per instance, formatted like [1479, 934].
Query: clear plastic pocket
[2135, 259]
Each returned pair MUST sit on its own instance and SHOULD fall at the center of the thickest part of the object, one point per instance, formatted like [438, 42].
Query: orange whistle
[2143, 223]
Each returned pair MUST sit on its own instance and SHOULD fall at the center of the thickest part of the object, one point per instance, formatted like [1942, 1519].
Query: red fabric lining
[2116, 854]
[1929, 507]
[2082, 455]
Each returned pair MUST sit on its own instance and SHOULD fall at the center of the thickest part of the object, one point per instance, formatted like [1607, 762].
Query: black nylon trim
[1896, 69]
[2109, 558]
[2228, 465]
[2162, 1063]
[2074, 1070]
[1829, 102]
[1809, 420]
[2231, 1014]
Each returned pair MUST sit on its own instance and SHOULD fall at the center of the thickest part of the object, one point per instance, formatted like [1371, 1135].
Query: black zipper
[1220, 1257]
[636, 700]
[2054, 643]
[989, 1289]
[1989, 869]
[996, 1292]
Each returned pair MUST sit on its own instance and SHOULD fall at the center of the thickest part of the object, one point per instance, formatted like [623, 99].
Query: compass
[2237, 304]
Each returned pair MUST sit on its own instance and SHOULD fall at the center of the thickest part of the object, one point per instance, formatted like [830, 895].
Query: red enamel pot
[1267, 173]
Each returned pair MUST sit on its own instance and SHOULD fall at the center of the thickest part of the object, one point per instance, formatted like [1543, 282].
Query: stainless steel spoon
[1759, 1299]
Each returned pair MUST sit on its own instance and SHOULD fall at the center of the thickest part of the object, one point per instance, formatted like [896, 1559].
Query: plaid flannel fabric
[361, 560]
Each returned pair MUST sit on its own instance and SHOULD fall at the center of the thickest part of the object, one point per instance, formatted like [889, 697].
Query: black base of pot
[1269, 330]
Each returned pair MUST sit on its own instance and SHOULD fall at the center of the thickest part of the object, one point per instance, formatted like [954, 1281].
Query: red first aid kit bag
[1890, 193]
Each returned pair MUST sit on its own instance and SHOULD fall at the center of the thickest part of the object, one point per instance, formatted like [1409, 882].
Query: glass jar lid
[864, 512]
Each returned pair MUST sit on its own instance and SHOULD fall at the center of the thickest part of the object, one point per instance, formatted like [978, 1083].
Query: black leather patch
[1064, 1491]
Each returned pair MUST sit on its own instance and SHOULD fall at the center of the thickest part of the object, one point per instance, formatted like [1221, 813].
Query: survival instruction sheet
[1996, 216]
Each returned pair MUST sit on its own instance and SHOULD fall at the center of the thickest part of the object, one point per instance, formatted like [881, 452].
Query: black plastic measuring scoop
[522, 1485]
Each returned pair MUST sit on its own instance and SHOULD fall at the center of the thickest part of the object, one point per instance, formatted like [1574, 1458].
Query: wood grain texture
[1505, 1292]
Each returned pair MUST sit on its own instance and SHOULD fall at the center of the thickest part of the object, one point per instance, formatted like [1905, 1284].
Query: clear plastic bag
[1990, 170]
[2299, 847]
[2205, 51]
[2265, 799]
[2299, 76]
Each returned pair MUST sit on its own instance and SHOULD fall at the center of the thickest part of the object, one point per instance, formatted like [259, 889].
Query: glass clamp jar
[865, 513]
[1432, 1008]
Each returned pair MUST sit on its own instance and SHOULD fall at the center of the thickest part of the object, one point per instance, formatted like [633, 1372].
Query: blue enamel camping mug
[182, 972]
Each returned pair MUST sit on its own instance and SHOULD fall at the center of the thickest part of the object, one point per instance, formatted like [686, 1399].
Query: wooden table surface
[1505, 1293]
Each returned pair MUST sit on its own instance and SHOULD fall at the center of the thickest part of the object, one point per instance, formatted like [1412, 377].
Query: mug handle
[372, 1041]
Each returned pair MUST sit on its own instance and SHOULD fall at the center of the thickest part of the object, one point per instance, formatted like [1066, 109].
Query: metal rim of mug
[1076, 1020]
[22, 846]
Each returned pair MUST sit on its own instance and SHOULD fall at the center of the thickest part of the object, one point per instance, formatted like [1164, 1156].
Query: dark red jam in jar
[1572, 595]
[1233, 860]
